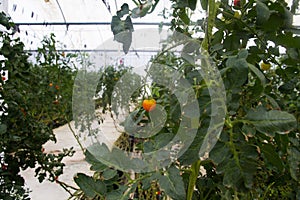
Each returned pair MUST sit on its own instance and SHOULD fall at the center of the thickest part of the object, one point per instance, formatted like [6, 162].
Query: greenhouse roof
[78, 24]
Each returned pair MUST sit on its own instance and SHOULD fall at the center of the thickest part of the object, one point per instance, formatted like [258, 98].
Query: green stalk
[195, 168]
[75, 136]
[212, 12]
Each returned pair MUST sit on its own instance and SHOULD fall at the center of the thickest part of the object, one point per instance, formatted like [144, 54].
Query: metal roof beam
[82, 23]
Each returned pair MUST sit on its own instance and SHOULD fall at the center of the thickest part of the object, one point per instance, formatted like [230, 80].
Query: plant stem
[233, 149]
[136, 3]
[66, 186]
[75, 136]
[267, 190]
[195, 168]
[212, 11]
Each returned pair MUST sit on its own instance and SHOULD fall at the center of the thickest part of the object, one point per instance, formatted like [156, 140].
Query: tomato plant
[255, 48]
[57, 72]
[108, 77]
[28, 113]
[257, 153]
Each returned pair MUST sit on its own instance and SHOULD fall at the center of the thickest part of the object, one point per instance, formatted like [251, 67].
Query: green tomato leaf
[120, 159]
[241, 169]
[142, 10]
[118, 194]
[96, 164]
[295, 6]
[192, 154]
[294, 162]
[219, 153]
[269, 122]
[117, 25]
[3, 128]
[288, 18]
[248, 169]
[236, 72]
[89, 186]
[263, 12]
[273, 102]
[231, 42]
[192, 4]
[124, 10]
[204, 4]
[122, 30]
[217, 38]
[187, 3]
[258, 73]
[125, 38]
[289, 86]
[248, 130]
[172, 184]
[272, 156]
[109, 174]
[232, 174]
[287, 40]
[191, 47]
[184, 17]
[293, 53]
[243, 54]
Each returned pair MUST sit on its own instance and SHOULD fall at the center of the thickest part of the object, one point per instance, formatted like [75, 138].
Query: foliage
[109, 76]
[56, 71]
[257, 154]
[30, 111]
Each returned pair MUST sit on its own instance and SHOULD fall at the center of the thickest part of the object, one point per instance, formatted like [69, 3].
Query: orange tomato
[149, 104]
[50, 84]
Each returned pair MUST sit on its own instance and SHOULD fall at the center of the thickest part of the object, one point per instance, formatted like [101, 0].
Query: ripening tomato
[23, 111]
[56, 102]
[3, 166]
[237, 3]
[149, 104]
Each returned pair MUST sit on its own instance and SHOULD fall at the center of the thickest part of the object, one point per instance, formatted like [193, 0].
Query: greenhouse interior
[150, 99]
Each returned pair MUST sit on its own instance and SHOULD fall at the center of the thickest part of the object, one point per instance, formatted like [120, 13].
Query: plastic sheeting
[78, 37]
[73, 37]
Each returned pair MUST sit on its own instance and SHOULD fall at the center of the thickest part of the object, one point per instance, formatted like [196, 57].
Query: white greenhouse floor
[65, 139]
